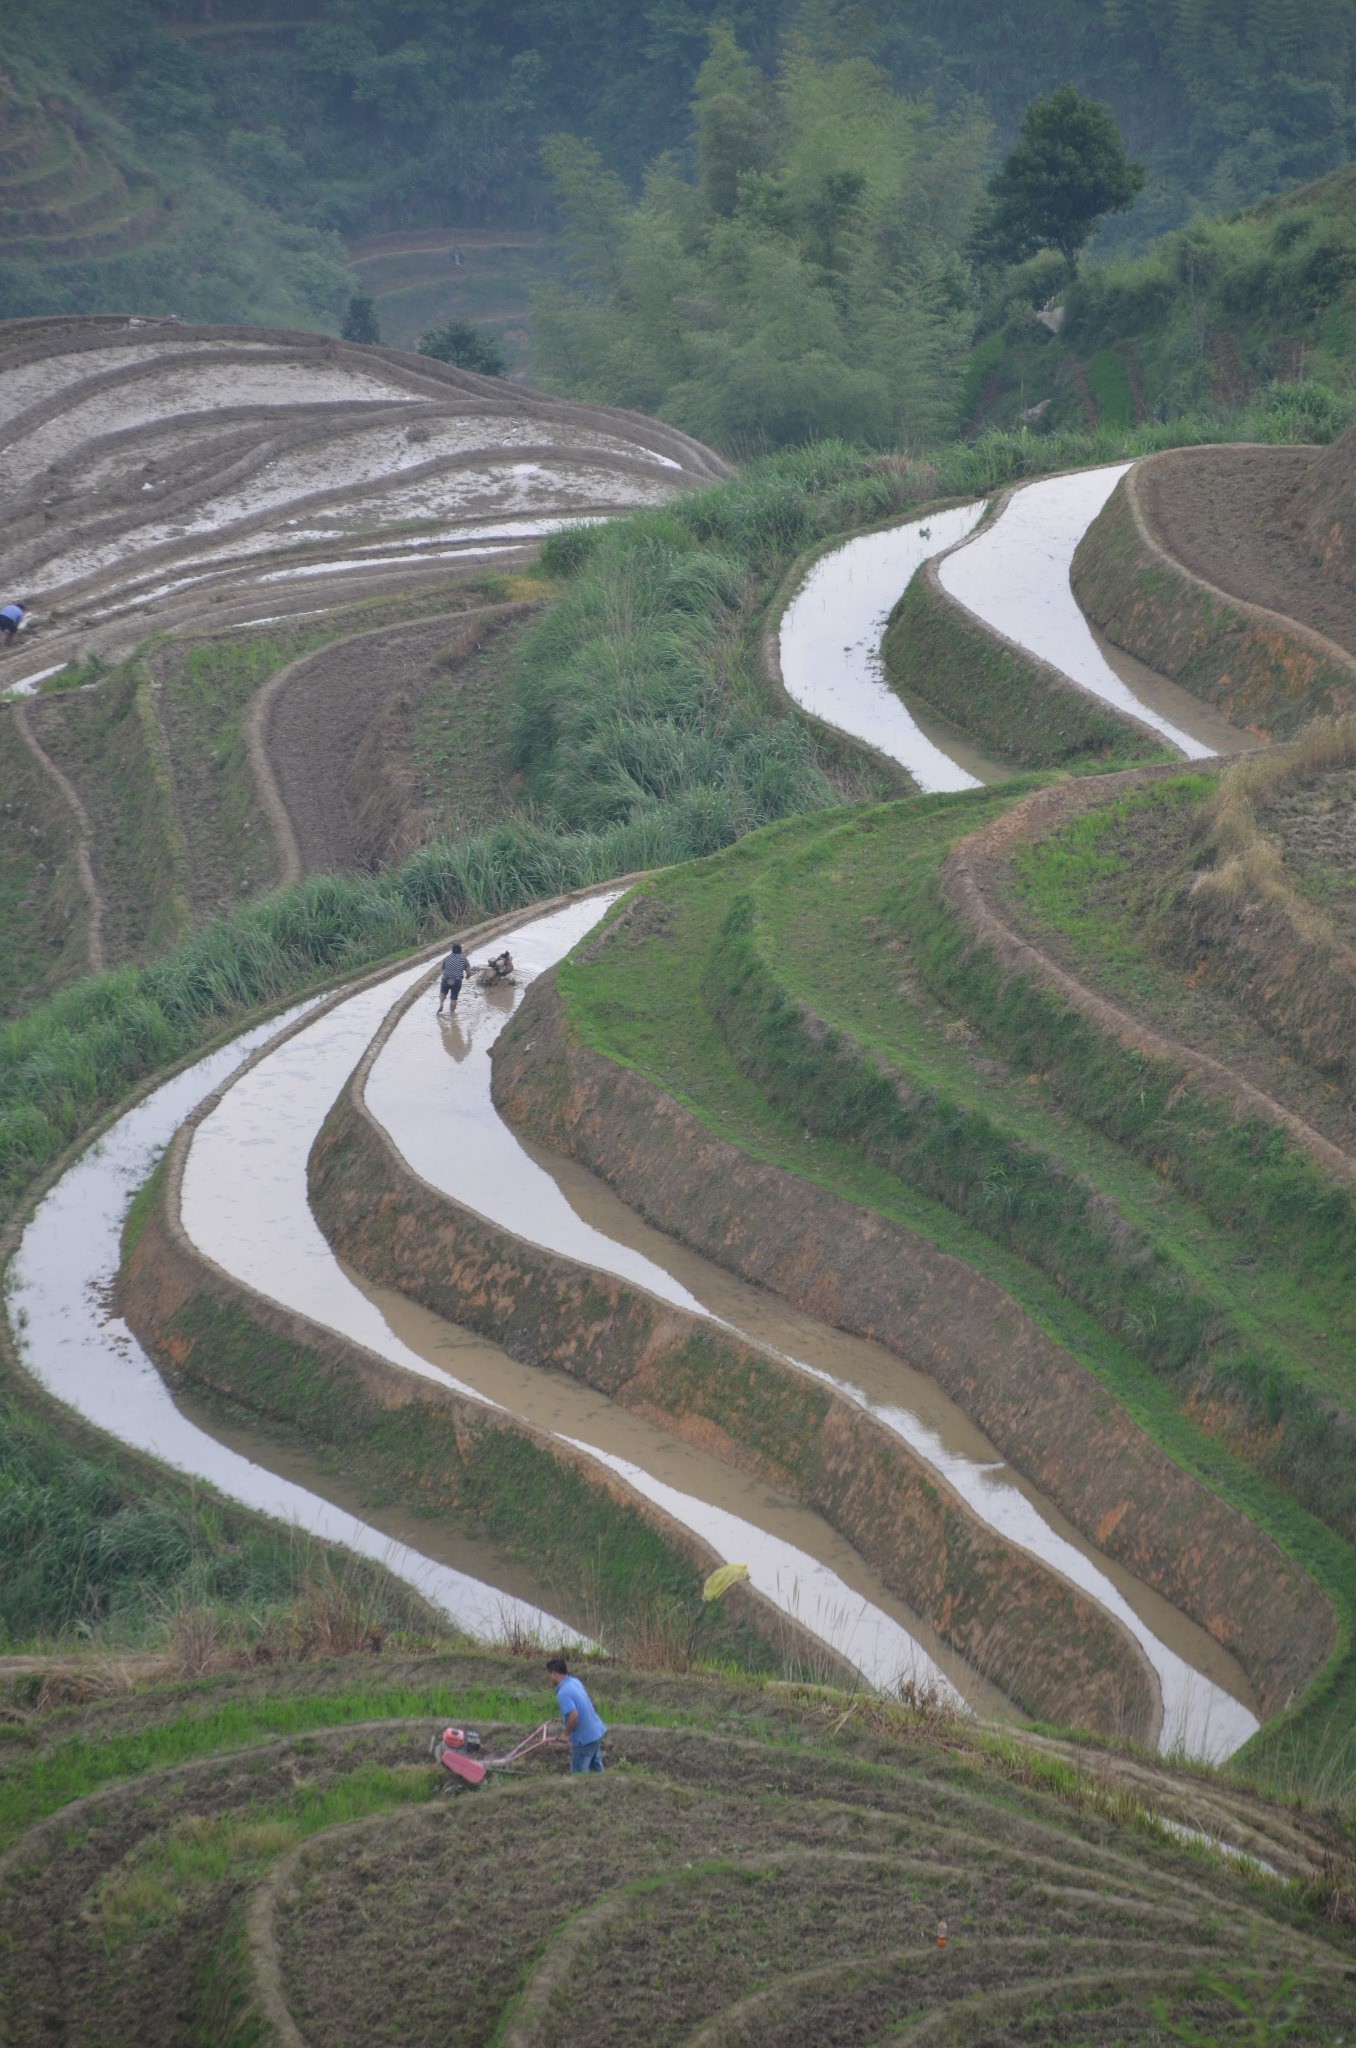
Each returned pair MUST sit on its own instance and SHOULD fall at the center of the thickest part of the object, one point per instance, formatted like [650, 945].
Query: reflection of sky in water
[831, 634]
[454, 1138]
[1015, 576]
[245, 1205]
[66, 1265]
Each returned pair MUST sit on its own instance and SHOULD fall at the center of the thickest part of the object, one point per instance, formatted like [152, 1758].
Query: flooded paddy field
[262, 479]
[138, 464]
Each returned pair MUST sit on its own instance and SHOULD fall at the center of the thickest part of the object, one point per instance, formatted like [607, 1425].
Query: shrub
[468, 347]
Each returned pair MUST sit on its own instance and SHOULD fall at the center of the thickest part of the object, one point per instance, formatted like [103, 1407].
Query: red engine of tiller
[454, 1748]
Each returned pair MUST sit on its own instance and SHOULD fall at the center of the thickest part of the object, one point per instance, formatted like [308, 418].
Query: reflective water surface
[830, 646]
[60, 1283]
[245, 1206]
[1015, 577]
[429, 1087]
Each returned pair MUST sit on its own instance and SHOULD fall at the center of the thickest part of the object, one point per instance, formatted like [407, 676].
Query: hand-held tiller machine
[456, 1751]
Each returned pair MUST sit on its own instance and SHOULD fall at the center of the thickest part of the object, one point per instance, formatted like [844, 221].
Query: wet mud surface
[148, 479]
[1227, 515]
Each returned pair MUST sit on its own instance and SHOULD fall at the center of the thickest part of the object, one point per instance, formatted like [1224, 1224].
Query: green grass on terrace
[32, 1786]
[647, 1005]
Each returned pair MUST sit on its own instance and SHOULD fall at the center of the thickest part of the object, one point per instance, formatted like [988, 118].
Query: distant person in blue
[11, 618]
[582, 1723]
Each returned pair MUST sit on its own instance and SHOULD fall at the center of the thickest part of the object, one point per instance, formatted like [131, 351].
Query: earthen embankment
[463, 1459]
[1034, 1635]
[854, 1268]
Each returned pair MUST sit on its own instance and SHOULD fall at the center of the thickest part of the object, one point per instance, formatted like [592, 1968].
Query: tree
[1066, 174]
[470, 348]
[807, 285]
[360, 321]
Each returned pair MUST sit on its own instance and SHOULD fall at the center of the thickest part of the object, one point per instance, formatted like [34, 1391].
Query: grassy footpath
[108, 742]
[44, 917]
[834, 897]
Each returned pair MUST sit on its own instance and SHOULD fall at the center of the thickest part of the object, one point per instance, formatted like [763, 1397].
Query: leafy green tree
[733, 130]
[470, 348]
[807, 284]
[360, 321]
[1068, 171]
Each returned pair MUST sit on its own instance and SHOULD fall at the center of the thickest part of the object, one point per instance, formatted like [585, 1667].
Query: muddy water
[245, 1206]
[1015, 577]
[830, 648]
[470, 1153]
[803, 1565]
[59, 1286]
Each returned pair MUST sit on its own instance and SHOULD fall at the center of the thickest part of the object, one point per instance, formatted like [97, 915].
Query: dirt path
[318, 713]
[84, 840]
[973, 881]
[1224, 513]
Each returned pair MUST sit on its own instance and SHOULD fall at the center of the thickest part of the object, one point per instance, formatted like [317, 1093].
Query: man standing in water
[455, 969]
[582, 1723]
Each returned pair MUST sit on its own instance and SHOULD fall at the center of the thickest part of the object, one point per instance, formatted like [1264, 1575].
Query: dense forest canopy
[753, 216]
[806, 283]
[353, 111]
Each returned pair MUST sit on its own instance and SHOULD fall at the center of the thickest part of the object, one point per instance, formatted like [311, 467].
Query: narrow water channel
[1015, 577]
[829, 647]
[245, 1205]
[429, 1088]
[60, 1285]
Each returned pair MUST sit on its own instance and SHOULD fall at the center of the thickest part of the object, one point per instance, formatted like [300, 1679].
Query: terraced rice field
[283, 1868]
[841, 1207]
[255, 472]
[1197, 1701]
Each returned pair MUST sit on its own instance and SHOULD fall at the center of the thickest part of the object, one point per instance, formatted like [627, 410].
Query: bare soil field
[269, 1853]
[1227, 514]
[319, 719]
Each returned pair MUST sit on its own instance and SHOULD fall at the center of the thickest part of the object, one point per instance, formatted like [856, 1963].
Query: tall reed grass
[95, 1555]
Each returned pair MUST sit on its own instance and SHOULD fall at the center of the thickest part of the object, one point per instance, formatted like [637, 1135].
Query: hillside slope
[267, 1858]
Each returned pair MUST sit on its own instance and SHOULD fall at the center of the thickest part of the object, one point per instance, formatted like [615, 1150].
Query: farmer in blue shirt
[577, 1711]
